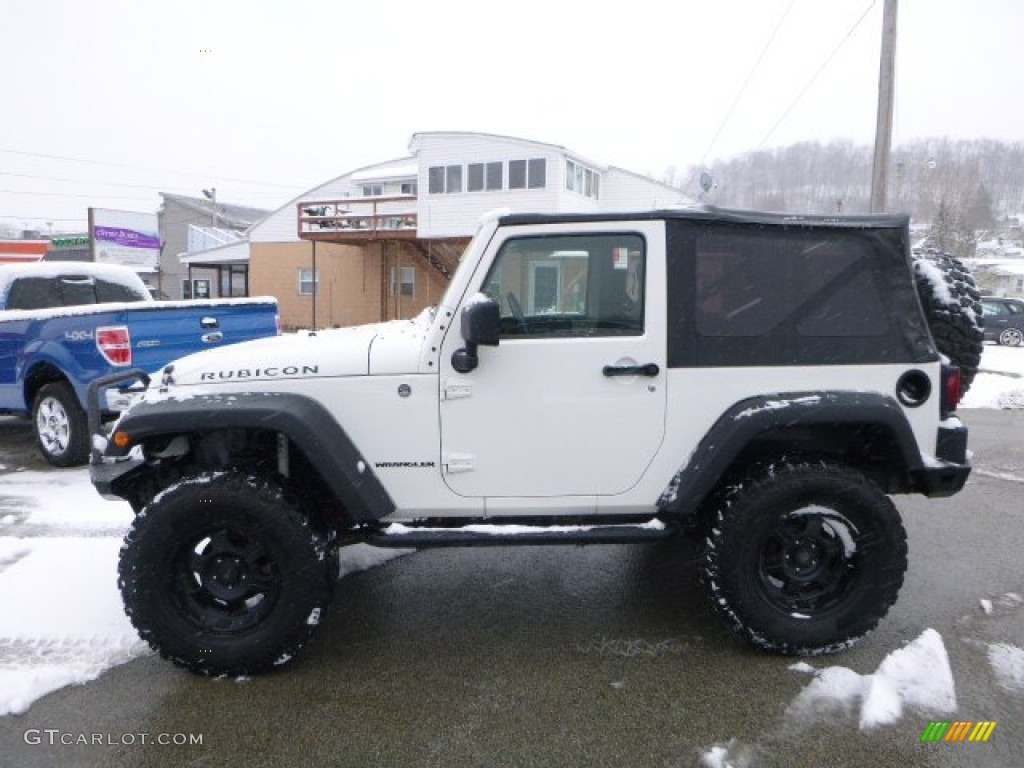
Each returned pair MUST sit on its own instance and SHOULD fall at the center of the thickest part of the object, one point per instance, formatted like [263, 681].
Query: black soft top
[712, 214]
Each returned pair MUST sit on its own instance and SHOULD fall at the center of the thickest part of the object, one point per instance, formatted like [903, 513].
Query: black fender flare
[304, 421]
[747, 419]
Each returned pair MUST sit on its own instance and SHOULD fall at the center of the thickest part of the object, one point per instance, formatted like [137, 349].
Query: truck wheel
[952, 306]
[61, 425]
[804, 559]
[222, 574]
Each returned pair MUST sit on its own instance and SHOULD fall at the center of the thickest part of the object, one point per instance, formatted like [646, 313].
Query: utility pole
[883, 126]
[211, 195]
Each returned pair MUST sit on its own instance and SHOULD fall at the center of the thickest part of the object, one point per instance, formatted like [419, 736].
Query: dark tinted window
[107, 291]
[34, 293]
[749, 284]
[76, 291]
[769, 295]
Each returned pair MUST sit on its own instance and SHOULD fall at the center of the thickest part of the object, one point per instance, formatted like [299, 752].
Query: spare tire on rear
[952, 306]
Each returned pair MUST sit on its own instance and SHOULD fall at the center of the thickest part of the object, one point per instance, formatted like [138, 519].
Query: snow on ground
[917, 676]
[1000, 380]
[61, 619]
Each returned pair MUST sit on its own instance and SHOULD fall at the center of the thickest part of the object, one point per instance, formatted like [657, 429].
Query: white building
[385, 238]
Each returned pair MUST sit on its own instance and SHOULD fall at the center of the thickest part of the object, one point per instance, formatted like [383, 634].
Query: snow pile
[61, 617]
[917, 676]
[1007, 662]
[1000, 379]
[363, 557]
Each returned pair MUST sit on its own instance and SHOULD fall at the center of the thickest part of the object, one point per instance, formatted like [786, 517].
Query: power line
[38, 218]
[67, 194]
[152, 187]
[750, 76]
[817, 72]
[144, 168]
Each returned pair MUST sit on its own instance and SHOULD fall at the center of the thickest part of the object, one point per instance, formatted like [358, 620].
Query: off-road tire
[803, 559]
[222, 574]
[60, 425]
[952, 307]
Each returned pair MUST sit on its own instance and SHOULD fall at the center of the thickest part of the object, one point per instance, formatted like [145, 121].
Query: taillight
[952, 389]
[115, 344]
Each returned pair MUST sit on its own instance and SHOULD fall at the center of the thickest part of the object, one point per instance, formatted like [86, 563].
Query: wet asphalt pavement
[570, 656]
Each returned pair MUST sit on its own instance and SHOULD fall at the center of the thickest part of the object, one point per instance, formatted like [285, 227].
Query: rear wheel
[804, 559]
[222, 574]
[60, 425]
[1011, 337]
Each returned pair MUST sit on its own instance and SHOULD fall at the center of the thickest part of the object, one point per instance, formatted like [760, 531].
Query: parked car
[65, 324]
[1004, 320]
[586, 379]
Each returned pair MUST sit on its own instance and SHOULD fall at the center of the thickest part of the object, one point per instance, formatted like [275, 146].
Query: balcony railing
[358, 218]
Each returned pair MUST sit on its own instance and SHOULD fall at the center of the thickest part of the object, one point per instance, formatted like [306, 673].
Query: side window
[107, 291]
[752, 285]
[76, 291]
[993, 308]
[33, 293]
[577, 285]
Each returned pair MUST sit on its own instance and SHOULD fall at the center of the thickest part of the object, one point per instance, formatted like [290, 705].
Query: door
[572, 400]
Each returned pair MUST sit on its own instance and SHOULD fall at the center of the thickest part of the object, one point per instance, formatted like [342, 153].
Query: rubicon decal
[261, 373]
[958, 730]
[404, 464]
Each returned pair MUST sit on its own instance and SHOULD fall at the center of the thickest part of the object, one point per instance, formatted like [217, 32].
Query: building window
[527, 174]
[409, 187]
[537, 173]
[444, 179]
[481, 176]
[373, 190]
[495, 176]
[309, 281]
[195, 289]
[474, 177]
[583, 180]
[517, 174]
[407, 286]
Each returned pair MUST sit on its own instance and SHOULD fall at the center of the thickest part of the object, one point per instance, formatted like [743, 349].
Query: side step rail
[482, 535]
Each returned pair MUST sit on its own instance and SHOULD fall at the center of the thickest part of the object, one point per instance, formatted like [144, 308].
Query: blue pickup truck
[64, 324]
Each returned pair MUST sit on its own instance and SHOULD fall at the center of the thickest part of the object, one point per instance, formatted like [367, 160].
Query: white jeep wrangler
[763, 381]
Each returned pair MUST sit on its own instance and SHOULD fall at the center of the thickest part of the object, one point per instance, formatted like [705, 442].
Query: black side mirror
[481, 324]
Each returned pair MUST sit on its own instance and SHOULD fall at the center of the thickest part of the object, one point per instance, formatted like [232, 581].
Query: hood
[392, 347]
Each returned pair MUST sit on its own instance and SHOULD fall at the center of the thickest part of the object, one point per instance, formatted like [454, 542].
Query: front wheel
[222, 574]
[804, 559]
[61, 425]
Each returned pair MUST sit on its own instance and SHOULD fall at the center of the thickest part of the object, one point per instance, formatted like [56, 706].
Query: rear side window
[34, 293]
[67, 291]
[749, 285]
[762, 295]
[107, 291]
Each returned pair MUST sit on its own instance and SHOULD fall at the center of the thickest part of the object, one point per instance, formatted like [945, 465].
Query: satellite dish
[706, 181]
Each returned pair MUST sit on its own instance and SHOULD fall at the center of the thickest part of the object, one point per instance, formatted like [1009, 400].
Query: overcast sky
[263, 99]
